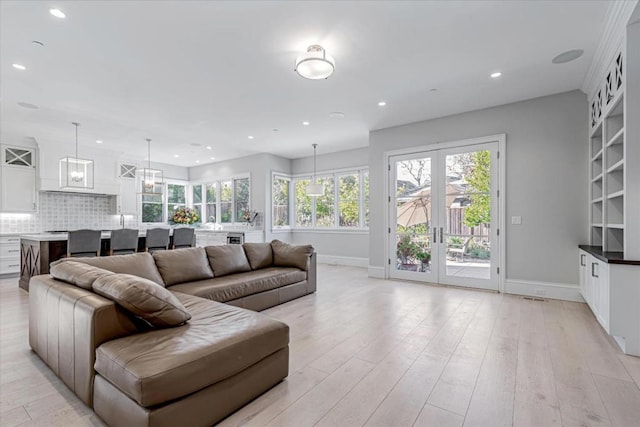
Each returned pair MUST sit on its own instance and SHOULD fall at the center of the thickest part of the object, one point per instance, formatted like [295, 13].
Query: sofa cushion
[260, 255]
[140, 264]
[228, 288]
[166, 364]
[182, 265]
[77, 273]
[227, 259]
[143, 298]
[286, 255]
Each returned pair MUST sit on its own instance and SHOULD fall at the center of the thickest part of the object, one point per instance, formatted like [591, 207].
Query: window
[349, 200]
[344, 204]
[222, 201]
[211, 202]
[176, 197]
[240, 197]
[303, 203]
[226, 201]
[325, 204]
[196, 198]
[280, 201]
[152, 205]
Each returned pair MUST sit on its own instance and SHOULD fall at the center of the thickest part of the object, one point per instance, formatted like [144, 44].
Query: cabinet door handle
[435, 235]
[13, 250]
[583, 259]
[594, 266]
[441, 233]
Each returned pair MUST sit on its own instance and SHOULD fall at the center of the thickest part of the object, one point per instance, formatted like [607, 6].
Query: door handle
[441, 233]
[593, 269]
[435, 235]
[582, 260]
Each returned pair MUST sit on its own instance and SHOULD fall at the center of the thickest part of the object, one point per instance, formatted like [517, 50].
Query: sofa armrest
[312, 276]
[67, 324]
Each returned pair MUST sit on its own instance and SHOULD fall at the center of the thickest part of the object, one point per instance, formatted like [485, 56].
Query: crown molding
[618, 15]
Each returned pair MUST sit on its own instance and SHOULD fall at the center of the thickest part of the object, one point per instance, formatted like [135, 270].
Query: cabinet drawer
[11, 251]
[9, 240]
[9, 265]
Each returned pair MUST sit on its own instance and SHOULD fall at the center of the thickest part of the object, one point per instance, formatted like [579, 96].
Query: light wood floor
[382, 353]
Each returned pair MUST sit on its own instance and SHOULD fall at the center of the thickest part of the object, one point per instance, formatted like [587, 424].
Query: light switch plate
[516, 220]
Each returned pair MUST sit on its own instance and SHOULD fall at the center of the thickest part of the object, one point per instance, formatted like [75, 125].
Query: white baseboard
[343, 260]
[562, 291]
[376, 272]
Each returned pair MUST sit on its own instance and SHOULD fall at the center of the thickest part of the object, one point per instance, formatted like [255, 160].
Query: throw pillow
[286, 255]
[143, 298]
[260, 255]
[227, 259]
[77, 273]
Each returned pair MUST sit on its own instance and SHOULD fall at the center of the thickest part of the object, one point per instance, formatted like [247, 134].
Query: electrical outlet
[516, 220]
[539, 291]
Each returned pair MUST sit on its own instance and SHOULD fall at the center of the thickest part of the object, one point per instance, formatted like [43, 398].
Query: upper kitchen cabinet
[105, 179]
[127, 200]
[18, 179]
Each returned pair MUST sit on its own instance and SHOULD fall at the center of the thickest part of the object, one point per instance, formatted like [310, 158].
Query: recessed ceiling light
[176, 156]
[213, 158]
[567, 56]
[381, 104]
[19, 67]
[98, 141]
[197, 161]
[208, 147]
[305, 123]
[250, 137]
[58, 13]
[336, 115]
[28, 105]
[496, 75]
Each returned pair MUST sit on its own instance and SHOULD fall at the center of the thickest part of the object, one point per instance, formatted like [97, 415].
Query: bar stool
[83, 243]
[124, 241]
[183, 238]
[157, 239]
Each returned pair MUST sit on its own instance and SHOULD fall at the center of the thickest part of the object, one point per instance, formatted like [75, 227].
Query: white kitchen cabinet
[611, 288]
[127, 199]
[18, 179]
[210, 238]
[9, 255]
[254, 236]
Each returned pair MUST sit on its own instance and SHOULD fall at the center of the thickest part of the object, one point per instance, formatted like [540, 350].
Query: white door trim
[501, 139]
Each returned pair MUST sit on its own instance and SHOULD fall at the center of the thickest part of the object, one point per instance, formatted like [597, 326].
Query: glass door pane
[468, 217]
[411, 254]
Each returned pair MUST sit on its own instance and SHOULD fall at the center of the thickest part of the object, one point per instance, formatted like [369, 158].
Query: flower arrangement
[249, 216]
[184, 215]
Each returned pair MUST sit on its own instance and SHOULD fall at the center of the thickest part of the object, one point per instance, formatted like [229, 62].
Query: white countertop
[52, 237]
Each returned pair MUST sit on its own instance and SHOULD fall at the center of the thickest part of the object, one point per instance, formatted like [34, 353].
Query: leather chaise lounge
[218, 357]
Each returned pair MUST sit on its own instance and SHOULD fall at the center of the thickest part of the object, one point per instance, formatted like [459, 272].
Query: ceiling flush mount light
[496, 75]
[315, 64]
[152, 180]
[568, 56]
[74, 171]
[19, 67]
[315, 189]
[58, 13]
[381, 104]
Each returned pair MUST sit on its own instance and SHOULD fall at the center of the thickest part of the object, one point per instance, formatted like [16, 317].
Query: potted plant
[406, 251]
[424, 257]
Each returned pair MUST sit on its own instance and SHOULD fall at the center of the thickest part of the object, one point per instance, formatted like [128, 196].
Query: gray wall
[546, 179]
[334, 243]
[260, 167]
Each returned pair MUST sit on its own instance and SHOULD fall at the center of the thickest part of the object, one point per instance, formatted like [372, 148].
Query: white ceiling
[212, 73]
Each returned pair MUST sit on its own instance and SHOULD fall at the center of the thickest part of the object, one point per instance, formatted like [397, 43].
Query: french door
[443, 211]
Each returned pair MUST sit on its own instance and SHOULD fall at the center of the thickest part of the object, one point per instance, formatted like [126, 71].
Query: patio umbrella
[415, 211]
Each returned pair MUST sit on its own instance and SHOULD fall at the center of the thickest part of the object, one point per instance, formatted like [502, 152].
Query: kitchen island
[38, 251]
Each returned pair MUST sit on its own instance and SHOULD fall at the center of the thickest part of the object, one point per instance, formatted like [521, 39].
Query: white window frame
[219, 181]
[291, 212]
[336, 173]
[165, 199]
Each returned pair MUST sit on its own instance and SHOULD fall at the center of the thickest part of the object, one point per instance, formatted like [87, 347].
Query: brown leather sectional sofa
[194, 374]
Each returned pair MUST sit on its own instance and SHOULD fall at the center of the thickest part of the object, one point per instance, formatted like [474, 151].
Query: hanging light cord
[149, 153]
[314, 163]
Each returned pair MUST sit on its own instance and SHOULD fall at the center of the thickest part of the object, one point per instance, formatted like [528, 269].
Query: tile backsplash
[66, 211]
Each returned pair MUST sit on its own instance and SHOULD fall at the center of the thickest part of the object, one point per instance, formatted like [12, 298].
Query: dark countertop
[608, 257]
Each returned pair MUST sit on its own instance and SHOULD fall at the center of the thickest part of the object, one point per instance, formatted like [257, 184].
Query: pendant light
[152, 179]
[74, 171]
[315, 189]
